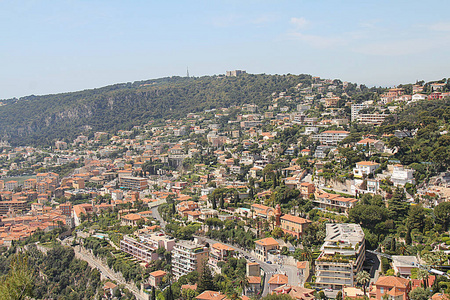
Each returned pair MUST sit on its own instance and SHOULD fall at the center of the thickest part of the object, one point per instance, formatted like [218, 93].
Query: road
[157, 216]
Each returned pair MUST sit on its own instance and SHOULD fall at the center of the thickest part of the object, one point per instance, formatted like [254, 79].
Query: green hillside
[42, 119]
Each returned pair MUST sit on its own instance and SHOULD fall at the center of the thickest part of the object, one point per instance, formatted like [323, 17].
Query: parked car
[268, 262]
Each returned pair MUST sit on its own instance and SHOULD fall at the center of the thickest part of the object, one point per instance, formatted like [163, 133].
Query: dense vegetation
[41, 119]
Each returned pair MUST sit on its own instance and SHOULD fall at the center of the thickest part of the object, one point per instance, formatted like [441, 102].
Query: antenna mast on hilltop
[187, 72]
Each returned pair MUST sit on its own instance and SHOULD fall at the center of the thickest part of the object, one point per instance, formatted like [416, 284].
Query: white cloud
[299, 22]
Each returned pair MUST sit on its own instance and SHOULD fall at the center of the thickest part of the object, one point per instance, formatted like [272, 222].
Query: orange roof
[189, 287]
[302, 264]
[254, 279]
[367, 163]
[295, 219]
[211, 295]
[132, 217]
[222, 247]
[158, 273]
[395, 292]
[278, 279]
[392, 281]
[267, 242]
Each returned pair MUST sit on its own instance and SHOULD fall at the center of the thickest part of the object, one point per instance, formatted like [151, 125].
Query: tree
[442, 213]
[19, 281]
[205, 281]
[363, 278]
[169, 293]
[419, 293]
[339, 295]
[153, 293]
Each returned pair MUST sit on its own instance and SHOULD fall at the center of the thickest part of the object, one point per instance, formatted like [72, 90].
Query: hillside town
[313, 196]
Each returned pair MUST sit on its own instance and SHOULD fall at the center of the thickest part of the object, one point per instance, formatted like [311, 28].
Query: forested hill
[42, 119]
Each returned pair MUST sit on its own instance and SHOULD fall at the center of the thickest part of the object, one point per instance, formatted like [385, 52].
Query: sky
[61, 46]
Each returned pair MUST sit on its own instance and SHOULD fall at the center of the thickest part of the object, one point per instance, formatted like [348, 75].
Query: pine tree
[169, 294]
[206, 281]
[222, 201]
[153, 293]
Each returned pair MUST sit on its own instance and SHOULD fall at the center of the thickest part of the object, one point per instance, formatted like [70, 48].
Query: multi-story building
[391, 287]
[11, 185]
[294, 225]
[188, 256]
[66, 208]
[402, 175]
[355, 109]
[29, 184]
[333, 201]
[134, 183]
[16, 206]
[342, 256]
[263, 246]
[374, 119]
[365, 168]
[331, 137]
[219, 252]
[145, 246]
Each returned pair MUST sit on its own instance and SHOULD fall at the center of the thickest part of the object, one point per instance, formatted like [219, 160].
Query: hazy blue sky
[56, 46]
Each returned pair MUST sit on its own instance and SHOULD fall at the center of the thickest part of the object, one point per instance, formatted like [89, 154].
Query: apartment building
[331, 137]
[144, 247]
[133, 183]
[342, 256]
[188, 256]
[11, 185]
[355, 109]
[333, 201]
[374, 119]
[17, 206]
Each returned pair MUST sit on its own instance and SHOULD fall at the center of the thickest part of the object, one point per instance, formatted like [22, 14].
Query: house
[296, 292]
[371, 144]
[403, 264]
[294, 225]
[131, 219]
[333, 201]
[402, 175]
[276, 281]
[156, 278]
[110, 287]
[306, 189]
[263, 246]
[254, 285]
[396, 288]
[211, 295]
[219, 252]
[365, 168]
[352, 293]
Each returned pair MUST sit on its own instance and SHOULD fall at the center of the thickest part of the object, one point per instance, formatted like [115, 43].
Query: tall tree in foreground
[205, 281]
[363, 278]
[18, 283]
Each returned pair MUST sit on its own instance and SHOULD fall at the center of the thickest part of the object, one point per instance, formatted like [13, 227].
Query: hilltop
[42, 119]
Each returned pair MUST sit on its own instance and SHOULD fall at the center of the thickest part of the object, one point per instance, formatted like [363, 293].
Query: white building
[401, 175]
[365, 168]
[342, 257]
[331, 137]
[188, 256]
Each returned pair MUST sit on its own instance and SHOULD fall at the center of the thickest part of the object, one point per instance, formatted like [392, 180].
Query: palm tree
[242, 282]
[423, 275]
[363, 278]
